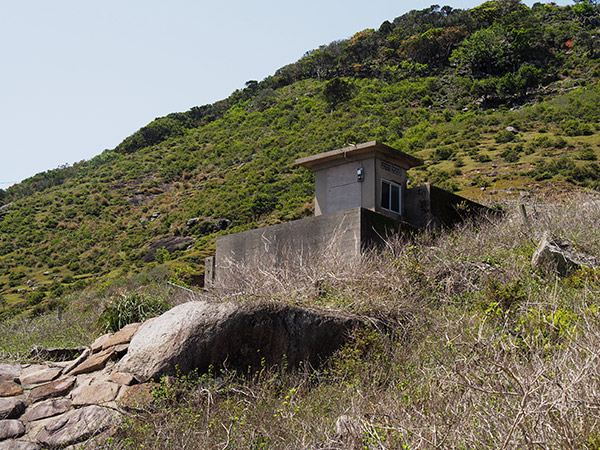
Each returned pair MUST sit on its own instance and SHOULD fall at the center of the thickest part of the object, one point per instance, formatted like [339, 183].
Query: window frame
[388, 206]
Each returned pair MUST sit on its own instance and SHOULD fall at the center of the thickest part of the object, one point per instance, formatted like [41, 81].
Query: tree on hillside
[337, 91]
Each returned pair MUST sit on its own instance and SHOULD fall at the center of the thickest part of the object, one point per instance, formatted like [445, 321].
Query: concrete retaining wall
[428, 206]
[342, 233]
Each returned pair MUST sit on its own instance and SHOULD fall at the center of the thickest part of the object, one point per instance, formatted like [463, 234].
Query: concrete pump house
[361, 198]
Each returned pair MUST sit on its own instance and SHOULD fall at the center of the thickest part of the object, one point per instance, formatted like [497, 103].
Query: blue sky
[77, 77]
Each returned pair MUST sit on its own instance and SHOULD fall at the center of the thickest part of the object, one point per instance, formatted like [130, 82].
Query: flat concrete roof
[357, 152]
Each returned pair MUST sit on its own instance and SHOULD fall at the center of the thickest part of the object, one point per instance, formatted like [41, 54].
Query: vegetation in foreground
[479, 351]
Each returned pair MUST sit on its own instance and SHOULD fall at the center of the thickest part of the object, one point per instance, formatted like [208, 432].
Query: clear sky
[78, 76]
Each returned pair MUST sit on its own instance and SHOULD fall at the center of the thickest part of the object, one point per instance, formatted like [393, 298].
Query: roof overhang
[357, 153]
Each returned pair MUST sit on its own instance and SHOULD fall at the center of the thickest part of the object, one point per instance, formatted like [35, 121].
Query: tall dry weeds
[481, 351]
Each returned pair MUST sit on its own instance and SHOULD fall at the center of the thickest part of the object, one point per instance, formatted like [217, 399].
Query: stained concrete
[344, 233]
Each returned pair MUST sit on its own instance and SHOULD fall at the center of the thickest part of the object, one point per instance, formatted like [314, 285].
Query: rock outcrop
[61, 404]
[560, 255]
[170, 244]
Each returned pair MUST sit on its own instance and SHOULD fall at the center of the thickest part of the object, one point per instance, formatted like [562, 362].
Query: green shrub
[587, 155]
[504, 136]
[131, 308]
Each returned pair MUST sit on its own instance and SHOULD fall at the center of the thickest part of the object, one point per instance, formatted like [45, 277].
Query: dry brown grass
[480, 351]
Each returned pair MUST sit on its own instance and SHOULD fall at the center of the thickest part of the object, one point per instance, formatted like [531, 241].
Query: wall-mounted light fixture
[360, 174]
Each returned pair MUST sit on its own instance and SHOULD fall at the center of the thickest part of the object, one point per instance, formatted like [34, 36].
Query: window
[390, 196]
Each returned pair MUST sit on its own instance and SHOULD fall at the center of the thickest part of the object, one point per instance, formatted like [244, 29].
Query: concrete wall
[345, 233]
[428, 206]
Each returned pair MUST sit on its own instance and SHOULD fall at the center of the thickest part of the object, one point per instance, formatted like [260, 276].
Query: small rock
[138, 396]
[53, 389]
[76, 426]
[512, 129]
[193, 221]
[10, 389]
[40, 376]
[11, 407]
[171, 244]
[559, 255]
[120, 349]
[11, 429]
[97, 344]
[95, 362]
[56, 353]
[122, 378]
[48, 408]
[9, 372]
[123, 336]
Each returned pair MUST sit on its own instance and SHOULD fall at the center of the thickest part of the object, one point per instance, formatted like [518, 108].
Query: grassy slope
[90, 224]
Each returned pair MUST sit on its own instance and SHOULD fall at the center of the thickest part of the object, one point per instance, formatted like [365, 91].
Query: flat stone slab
[40, 376]
[97, 344]
[123, 336]
[10, 389]
[95, 362]
[12, 444]
[11, 407]
[10, 429]
[9, 372]
[76, 426]
[53, 389]
[122, 378]
[95, 392]
[47, 408]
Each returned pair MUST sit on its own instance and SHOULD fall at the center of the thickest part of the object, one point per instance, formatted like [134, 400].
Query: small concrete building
[370, 175]
[361, 198]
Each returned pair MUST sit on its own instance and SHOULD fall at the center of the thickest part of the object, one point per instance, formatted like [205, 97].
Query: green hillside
[498, 100]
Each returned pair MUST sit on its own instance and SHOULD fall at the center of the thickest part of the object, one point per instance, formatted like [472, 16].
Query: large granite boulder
[233, 335]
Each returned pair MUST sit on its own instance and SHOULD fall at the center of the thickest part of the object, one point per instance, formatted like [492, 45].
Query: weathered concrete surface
[235, 335]
[344, 234]
[428, 206]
